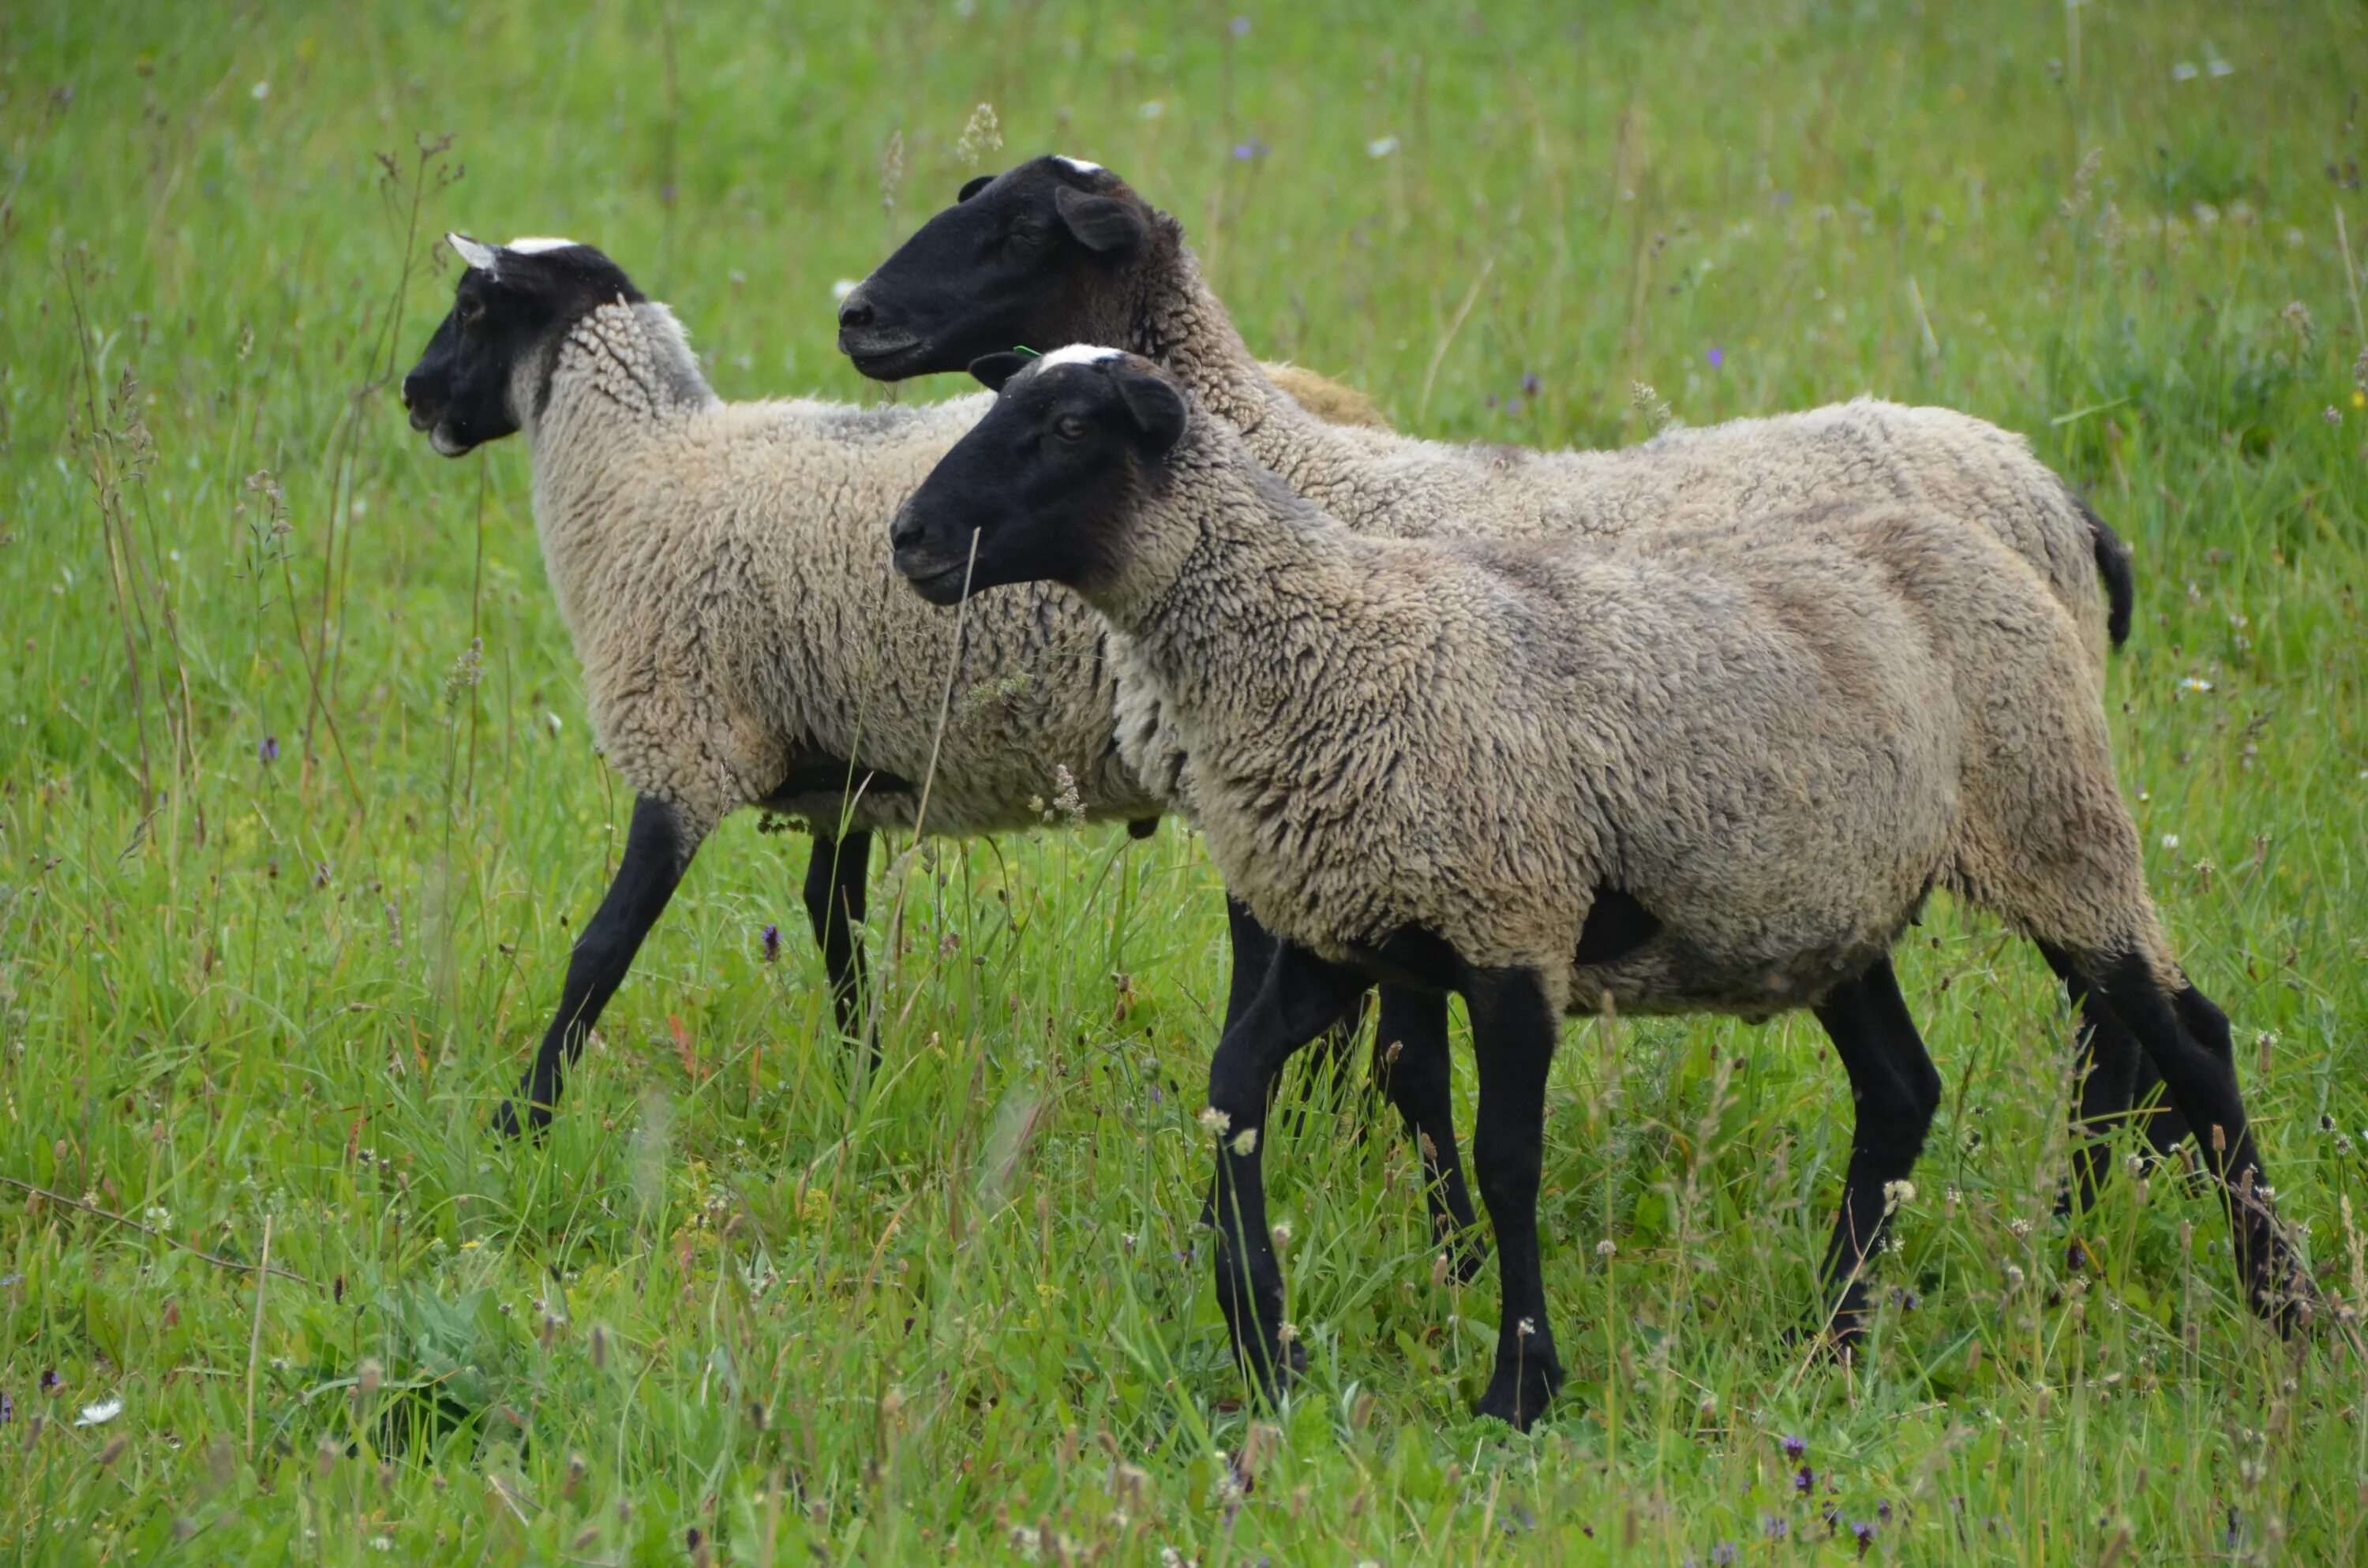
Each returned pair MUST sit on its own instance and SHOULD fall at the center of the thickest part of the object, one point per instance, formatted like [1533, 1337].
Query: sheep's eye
[1069, 427]
[472, 312]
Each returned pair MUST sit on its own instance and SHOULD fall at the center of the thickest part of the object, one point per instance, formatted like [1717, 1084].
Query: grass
[287, 878]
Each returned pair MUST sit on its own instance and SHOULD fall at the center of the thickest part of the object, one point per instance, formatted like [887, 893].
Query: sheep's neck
[1184, 325]
[623, 378]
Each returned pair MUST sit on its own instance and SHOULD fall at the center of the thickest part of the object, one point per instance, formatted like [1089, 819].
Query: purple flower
[1717, 356]
[1530, 384]
[772, 940]
[1724, 1554]
[50, 1381]
[1864, 1532]
[269, 750]
[1805, 1482]
[1773, 1528]
[1795, 1448]
[1247, 152]
[7, 1407]
[1512, 408]
[1883, 1510]
[1240, 27]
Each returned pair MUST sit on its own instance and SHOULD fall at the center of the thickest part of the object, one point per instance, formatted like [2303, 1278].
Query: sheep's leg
[1896, 1090]
[658, 848]
[2118, 1078]
[1514, 1032]
[1300, 996]
[1412, 1065]
[837, 882]
[2187, 1038]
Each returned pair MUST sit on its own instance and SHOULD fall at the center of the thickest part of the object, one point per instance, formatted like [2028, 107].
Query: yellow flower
[2359, 398]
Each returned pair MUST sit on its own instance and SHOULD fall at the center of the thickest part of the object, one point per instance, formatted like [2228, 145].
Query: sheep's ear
[1157, 405]
[1101, 222]
[971, 186]
[481, 256]
[994, 369]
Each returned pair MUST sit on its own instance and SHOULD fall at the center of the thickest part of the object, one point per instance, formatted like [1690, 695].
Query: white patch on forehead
[1079, 354]
[1078, 164]
[480, 257]
[535, 245]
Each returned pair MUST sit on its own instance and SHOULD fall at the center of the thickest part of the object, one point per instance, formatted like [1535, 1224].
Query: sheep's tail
[2113, 566]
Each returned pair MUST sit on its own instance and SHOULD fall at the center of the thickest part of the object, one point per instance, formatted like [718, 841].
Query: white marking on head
[535, 246]
[1079, 354]
[1078, 164]
[481, 256]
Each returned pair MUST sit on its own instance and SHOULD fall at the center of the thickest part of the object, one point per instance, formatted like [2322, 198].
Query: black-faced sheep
[1716, 770]
[722, 571]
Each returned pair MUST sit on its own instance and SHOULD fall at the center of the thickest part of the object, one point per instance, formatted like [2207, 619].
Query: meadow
[299, 810]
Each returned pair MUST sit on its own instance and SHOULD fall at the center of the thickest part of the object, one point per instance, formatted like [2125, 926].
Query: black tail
[2113, 566]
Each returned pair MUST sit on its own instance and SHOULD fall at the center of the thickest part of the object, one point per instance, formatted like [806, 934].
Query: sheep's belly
[1670, 975]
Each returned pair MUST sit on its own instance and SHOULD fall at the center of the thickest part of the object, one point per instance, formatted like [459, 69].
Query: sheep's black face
[1035, 257]
[509, 310]
[1042, 487]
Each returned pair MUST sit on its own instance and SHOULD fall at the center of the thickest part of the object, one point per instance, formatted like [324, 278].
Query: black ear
[994, 369]
[1101, 222]
[1157, 404]
[973, 185]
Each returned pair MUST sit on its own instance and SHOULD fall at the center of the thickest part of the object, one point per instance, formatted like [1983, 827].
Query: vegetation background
[288, 873]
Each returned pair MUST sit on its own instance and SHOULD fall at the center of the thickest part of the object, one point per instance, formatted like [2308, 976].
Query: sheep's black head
[1038, 256]
[1042, 487]
[510, 310]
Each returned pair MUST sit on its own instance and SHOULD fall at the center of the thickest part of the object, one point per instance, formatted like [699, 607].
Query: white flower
[2170, 841]
[2194, 683]
[1214, 1120]
[259, 91]
[99, 1415]
[1245, 1142]
[1151, 109]
[1381, 146]
[2183, 72]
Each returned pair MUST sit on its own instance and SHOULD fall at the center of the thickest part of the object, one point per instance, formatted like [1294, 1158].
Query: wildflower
[1151, 109]
[2297, 316]
[1245, 1142]
[2333, 415]
[1067, 803]
[1239, 27]
[1795, 1448]
[8, 1408]
[2170, 841]
[269, 750]
[1773, 1528]
[2194, 683]
[1438, 1269]
[771, 939]
[1804, 1481]
[50, 1381]
[1526, 1327]
[1214, 1120]
[2013, 1278]
[1381, 146]
[1715, 355]
[467, 671]
[1605, 1247]
[99, 1415]
[259, 91]
[1898, 1195]
[1864, 1532]
[1249, 151]
[979, 136]
[1531, 384]
[1282, 1234]
[1724, 1554]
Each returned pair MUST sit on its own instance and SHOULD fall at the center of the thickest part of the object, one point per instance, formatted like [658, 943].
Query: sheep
[1083, 258]
[720, 569]
[1713, 769]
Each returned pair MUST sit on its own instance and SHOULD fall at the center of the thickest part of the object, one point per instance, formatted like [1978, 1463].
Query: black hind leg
[1412, 1065]
[1896, 1090]
[837, 881]
[2117, 1079]
[2187, 1038]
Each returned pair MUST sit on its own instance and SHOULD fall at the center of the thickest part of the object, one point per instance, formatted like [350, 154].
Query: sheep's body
[1751, 747]
[723, 571]
[1776, 739]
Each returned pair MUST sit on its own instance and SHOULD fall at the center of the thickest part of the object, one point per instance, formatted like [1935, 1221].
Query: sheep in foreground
[1057, 250]
[721, 569]
[1709, 770]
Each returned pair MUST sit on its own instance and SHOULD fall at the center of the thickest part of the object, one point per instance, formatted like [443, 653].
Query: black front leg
[1896, 1090]
[1300, 997]
[658, 848]
[1514, 1032]
[2116, 1078]
[837, 882]
[1412, 1067]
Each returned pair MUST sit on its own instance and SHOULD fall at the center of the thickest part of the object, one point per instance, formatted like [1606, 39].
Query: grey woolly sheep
[721, 569]
[1086, 259]
[1715, 770]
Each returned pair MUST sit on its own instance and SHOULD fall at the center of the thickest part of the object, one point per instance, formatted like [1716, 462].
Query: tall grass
[299, 811]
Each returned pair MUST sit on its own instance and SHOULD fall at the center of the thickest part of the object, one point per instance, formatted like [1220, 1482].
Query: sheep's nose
[855, 310]
[903, 529]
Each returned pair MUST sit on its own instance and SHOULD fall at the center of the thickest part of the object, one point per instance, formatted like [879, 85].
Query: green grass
[945, 1314]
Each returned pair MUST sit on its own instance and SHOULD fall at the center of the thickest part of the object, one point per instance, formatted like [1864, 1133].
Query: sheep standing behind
[722, 572]
[1709, 770]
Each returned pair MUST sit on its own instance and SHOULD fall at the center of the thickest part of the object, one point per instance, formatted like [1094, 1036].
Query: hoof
[1518, 1397]
[1290, 1362]
[510, 1127]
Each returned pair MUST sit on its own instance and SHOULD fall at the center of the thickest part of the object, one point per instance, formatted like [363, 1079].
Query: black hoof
[1517, 1397]
[508, 1126]
[1289, 1362]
